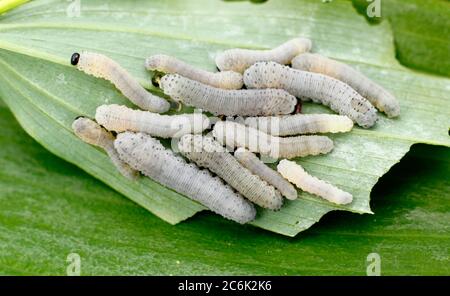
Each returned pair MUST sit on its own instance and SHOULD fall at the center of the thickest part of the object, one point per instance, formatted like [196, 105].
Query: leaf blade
[359, 158]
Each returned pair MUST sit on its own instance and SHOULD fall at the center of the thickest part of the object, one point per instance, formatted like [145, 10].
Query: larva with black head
[92, 133]
[296, 124]
[297, 175]
[206, 152]
[373, 92]
[101, 66]
[148, 155]
[121, 118]
[251, 162]
[233, 135]
[320, 88]
[245, 102]
[171, 65]
[240, 59]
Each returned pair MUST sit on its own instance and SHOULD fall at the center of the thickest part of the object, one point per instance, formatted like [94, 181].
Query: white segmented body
[121, 118]
[101, 66]
[233, 134]
[296, 124]
[257, 167]
[245, 102]
[240, 59]
[147, 155]
[92, 133]
[206, 152]
[320, 88]
[376, 94]
[250, 102]
[170, 65]
[297, 175]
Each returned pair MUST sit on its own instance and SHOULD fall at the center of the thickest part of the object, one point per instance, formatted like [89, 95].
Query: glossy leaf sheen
[45, 93]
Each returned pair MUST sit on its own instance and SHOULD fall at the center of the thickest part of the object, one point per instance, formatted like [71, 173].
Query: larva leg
[297, 175]
[233, 134]
[245, 102]
[240, 59]
[331, 92]
[103, 67]
[92, 133]
[121, 118]
[259, 168]
[170, 65]
[376, 94]
[296, 124]
[206, 152]
[146, 154]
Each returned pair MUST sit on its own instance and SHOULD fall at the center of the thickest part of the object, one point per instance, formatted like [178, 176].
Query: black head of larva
[75, 58]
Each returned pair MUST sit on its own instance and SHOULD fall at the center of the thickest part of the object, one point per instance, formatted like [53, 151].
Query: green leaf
[421, 31]
[50, 209]
[6, 5]
[45, 93]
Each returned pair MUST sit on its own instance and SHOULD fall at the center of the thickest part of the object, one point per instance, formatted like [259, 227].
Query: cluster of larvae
[221, 164]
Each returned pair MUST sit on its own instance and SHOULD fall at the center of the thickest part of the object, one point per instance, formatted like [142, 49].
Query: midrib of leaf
[60, 60]
[109, 28]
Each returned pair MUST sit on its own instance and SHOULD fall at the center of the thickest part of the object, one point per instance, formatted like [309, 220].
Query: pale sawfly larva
[148, 155]
[171, 65]
[297, 175]
[297, 124]
[339, 96]
[257, 167]
[121, 118]
[101, 66]
[240, 59]
[245, 102]
[233, 135]
[92, 133]
[373, 92]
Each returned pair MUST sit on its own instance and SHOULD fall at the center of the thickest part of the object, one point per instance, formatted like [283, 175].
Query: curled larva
[296, 124]
[148, 155]
[320, 88]
[240, 59]
[206, 152]
[233, 134]
[297, 175]
[121, 118]
[245, 102]
[259, 168]
[376, 94]
[101, 66]
[170, 65]
[92, 133]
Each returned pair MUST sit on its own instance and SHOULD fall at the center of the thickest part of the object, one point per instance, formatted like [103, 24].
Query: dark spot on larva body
[75, 58]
